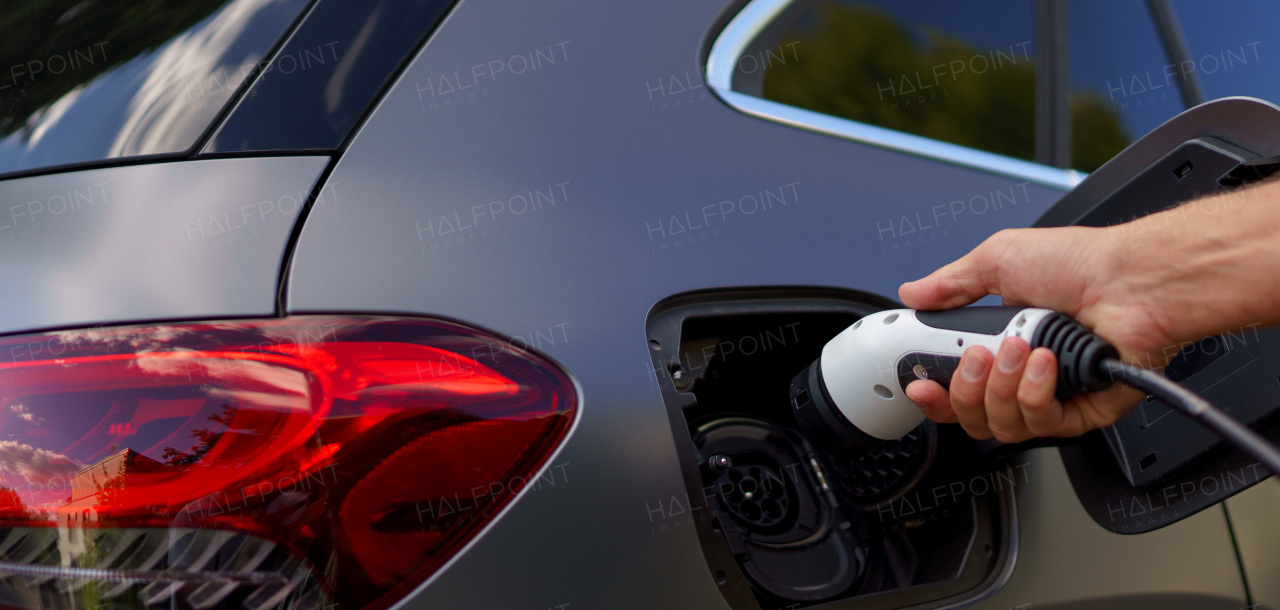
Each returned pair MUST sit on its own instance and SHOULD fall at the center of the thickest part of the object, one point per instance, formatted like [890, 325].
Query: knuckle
[1004, 435]
[1031, 398]
[1002, 388]
[1040, 427]
[975, 432]
[965, 399]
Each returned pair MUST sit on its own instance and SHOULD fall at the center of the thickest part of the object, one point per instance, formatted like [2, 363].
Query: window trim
[1175, 45]
[734, 40]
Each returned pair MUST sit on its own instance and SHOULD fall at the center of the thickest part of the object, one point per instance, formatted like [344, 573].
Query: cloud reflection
[159, 117]
[155, 92]
[37, 466]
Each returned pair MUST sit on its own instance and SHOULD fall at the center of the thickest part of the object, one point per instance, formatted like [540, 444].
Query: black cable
[1188, 403]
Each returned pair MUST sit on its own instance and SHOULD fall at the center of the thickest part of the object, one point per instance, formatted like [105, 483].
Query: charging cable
[1188, 403]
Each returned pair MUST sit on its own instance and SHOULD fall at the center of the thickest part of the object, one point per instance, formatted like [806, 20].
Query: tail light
[302, 462]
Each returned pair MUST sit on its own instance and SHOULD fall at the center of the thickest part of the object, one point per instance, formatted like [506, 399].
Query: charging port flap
[1155, 467]
[782, 522]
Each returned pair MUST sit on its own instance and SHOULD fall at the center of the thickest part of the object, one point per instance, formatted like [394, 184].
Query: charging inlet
[790, 524]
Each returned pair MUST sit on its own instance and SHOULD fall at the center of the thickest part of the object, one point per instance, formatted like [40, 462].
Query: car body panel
[1065, 557]
[633, 156]
[200, 239]
[1253, 519]
[625, 162]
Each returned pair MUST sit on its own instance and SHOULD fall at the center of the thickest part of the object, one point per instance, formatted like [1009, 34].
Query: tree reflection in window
[856, 61]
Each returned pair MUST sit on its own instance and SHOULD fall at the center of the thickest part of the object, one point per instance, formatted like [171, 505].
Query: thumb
[960, 283]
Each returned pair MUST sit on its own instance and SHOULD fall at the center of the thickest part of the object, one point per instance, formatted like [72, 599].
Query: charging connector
[853, 398]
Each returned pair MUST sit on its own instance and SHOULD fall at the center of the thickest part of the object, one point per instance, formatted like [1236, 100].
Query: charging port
[790, 524]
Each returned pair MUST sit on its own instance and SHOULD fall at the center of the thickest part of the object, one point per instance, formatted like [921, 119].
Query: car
[496, 304]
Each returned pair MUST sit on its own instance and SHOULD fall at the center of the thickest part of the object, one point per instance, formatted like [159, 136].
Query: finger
[973, 276]
[932, 400]
[1004, 416]
[1041, 411]
[968, 387]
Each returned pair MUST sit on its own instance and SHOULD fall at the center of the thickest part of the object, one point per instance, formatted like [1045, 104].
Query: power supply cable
[1188, 403]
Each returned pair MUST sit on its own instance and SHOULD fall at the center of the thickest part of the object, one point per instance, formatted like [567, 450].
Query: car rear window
[88, 80]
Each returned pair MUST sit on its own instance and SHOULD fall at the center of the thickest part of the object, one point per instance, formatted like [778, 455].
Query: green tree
[1096, 131]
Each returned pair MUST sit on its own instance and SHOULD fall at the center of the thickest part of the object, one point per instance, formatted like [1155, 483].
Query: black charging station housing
[1156, 467]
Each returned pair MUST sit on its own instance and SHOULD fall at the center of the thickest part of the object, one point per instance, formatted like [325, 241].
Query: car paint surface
[636, 182]
[633, 156]
[199, 239]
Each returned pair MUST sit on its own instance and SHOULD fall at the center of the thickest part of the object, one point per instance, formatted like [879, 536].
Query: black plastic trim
[1053, 112]
[822, 420]
[363, 45]
[985, 320]
[247, 84]
[1251, 125]
[1175, 45]
[938, 367]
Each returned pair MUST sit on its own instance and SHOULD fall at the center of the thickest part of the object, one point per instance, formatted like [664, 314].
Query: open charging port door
[785, 524]
[1156, 467]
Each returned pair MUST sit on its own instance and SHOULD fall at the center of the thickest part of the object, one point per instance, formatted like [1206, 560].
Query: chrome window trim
[751, 21]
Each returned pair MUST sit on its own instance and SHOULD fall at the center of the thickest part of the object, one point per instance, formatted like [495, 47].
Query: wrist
[1206, 266]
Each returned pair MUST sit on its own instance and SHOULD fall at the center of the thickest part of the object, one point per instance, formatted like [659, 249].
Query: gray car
[496, 304]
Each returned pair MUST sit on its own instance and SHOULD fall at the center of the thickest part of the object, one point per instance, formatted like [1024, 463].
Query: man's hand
[1074, 270]
[1147, 286]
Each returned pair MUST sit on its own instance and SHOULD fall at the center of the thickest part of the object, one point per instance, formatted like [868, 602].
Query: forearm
[1214, 262]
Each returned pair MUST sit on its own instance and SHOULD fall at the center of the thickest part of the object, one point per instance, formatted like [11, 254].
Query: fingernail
[1037, 367]
[974, 367]
[1010, 358]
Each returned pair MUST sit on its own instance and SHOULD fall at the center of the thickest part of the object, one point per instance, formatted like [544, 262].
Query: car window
[82, 80]
[1123, 83]
[936, 69]
[1233, 47]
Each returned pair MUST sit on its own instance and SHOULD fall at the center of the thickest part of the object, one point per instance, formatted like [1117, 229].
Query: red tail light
[291, 463]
